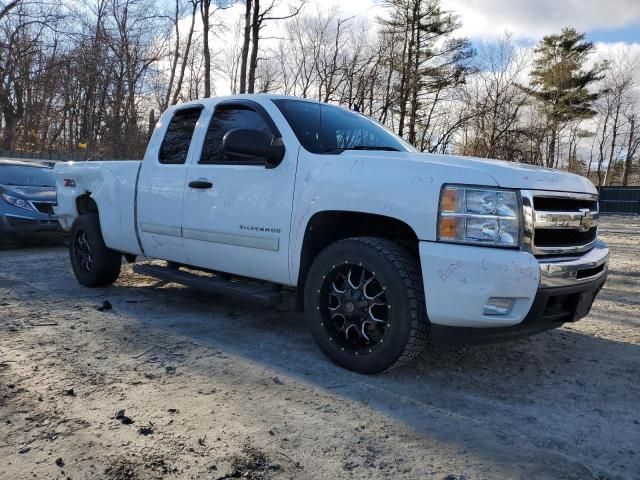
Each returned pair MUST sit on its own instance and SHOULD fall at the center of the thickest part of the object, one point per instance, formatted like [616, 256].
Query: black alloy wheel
[94, 264]
[364, 304]
[355, 311]
[82, 250]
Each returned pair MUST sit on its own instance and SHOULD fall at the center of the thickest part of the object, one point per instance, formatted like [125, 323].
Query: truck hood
[515, 175]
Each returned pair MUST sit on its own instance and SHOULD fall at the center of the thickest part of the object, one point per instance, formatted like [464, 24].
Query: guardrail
[620, 200]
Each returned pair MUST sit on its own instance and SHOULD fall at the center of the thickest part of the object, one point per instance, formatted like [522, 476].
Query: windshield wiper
[384, 148]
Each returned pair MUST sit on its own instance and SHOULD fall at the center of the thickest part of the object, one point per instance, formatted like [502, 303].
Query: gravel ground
[171, 383]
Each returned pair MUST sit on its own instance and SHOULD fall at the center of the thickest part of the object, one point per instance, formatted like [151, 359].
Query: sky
[613, 25]
[604, 21]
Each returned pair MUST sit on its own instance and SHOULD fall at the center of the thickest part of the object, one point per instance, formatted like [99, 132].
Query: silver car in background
[27, 198]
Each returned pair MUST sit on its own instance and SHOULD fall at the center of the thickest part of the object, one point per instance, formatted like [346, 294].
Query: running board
[265, 294]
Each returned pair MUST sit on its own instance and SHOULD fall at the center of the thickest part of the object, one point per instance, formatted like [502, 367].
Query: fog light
[499, 306]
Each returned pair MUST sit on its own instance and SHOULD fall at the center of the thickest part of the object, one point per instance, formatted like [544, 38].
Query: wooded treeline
[89, 78]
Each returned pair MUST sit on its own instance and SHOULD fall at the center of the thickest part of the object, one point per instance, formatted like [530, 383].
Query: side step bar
[265, 294]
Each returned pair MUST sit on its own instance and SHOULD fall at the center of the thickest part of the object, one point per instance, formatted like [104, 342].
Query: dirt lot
[215, 389]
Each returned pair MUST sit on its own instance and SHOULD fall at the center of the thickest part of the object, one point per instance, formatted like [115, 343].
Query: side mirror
[254, 144]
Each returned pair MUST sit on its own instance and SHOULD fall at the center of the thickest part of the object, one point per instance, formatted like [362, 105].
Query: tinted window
[322, 128]
[31, 176]
[175, 145]
[225, 118]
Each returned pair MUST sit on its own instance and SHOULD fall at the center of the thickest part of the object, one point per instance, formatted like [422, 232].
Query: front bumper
[19, 225]
[568, 271]
[460, 279]
[550, 309]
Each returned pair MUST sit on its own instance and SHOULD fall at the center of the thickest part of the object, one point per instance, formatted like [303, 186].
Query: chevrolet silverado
[387, 248]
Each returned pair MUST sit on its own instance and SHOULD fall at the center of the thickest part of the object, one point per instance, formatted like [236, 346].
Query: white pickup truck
[388, 248]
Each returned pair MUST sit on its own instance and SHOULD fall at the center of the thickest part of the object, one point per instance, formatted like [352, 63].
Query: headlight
[479, 216]
[17, 202]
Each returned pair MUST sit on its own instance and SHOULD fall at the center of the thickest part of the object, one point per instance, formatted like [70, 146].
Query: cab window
[226, 118]
[175, 146]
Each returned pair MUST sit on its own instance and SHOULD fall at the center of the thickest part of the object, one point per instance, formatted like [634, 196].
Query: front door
[237, 213]
[161, 187]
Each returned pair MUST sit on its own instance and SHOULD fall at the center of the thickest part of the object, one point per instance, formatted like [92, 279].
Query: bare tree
[176, 53]
[96, 77]
[5, 9]
[617, 105]
[27, 52]
[431, 60]
[259, 18]
[633, 146]
[185, 55]
[495, 101]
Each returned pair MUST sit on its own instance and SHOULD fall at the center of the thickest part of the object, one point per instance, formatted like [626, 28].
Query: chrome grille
[559, 223]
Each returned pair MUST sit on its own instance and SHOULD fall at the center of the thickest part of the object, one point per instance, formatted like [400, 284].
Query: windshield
[323, 128]
[26, 176]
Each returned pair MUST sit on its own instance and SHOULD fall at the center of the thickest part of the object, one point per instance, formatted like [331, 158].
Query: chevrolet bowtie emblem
[586, 222]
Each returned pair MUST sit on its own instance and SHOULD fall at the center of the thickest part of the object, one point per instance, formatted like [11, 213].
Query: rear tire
[94, 264]
[364, 304]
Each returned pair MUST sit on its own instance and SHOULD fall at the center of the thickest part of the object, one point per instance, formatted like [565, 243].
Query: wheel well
[327, 227]
[86, 204]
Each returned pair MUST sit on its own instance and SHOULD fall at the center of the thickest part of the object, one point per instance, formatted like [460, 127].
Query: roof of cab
[241, 96]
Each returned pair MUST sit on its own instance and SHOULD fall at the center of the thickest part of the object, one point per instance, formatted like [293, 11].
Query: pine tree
[559, 81]
[429, 60]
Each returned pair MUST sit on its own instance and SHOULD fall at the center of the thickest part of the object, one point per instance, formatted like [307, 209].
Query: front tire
[364, 304]
[94, 264]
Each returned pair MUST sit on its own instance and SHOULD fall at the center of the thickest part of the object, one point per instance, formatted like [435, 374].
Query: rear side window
[225, 118]
[175, 145]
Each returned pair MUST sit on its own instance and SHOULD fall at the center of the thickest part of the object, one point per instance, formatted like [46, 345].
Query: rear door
[240, 223]
[162, 183]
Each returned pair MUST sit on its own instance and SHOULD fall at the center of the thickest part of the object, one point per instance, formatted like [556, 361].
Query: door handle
[200, 184]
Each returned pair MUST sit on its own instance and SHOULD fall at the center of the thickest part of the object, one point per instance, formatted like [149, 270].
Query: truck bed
[112, 184]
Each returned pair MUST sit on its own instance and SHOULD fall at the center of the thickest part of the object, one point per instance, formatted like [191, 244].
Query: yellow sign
[82, 145]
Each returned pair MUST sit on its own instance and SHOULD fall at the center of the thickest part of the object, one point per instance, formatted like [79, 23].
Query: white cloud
[365, 8]
[532, 19]
[613, 49]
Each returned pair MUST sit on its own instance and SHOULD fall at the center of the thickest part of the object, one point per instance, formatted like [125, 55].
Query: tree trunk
[176, 54]
[152, 123]
[244, 55]
[614, 138]
[629, 158]
[406, 54]
[7, 8]
[415, 85]
[387, 88]
[601, 143]
[255, 40]
[185, 58]
[551, 152]
[205, 44]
